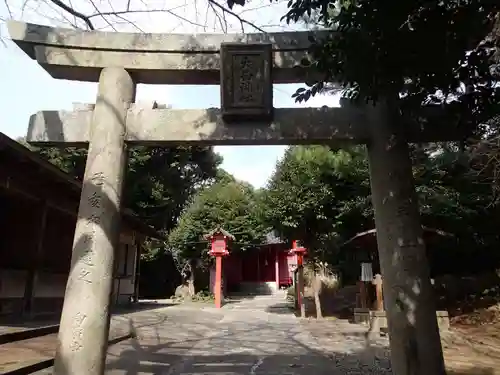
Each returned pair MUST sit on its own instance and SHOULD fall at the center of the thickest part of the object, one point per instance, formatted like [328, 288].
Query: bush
[203, 296]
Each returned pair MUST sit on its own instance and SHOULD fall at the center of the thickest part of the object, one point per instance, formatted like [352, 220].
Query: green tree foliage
[319, 195]
[380, 48]
[229, 204]
[159, 181]
[456, 197]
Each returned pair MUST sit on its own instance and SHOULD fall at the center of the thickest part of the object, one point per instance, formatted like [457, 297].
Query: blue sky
[26, 88]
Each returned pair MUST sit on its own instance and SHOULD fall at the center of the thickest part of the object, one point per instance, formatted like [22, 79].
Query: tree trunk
[300, 291]
[413, 330]
[191, 287]
[191, 279]
[317, 291]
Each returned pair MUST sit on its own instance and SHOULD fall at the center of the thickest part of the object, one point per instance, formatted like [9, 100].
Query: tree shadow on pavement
[235, 352]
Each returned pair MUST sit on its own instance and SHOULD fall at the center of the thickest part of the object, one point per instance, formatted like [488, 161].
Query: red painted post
[299, 251]
[218, 238]
[300, 279]
[277, 269]
[218, 281]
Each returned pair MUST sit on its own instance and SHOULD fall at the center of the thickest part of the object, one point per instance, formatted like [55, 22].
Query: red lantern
[219, 245]
[297, 250]
[219, 239]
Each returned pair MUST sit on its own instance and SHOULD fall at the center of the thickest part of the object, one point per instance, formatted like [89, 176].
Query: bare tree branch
[133, 24]
[55, 8]
[8, 8]
[242, 20]
[109, 13]
[74, 17]
[120, 14]
[74, 12]
[132, 11]
[104, 18]
[221, 19]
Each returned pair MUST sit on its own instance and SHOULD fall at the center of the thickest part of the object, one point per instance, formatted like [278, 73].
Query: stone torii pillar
[84, 326]
[118, 61]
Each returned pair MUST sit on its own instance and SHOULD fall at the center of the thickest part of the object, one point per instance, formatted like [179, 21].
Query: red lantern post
[219, 239]
[300, 252]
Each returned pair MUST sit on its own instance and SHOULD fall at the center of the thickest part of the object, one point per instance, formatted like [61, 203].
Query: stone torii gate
[245, 66]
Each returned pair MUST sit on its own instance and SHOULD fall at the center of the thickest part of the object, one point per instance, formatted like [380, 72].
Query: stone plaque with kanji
[246, 83]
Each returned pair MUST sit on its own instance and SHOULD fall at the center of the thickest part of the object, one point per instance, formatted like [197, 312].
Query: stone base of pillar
[378, 319]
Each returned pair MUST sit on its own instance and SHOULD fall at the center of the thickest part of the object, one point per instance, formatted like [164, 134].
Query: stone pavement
[253, 336]
[257, 336]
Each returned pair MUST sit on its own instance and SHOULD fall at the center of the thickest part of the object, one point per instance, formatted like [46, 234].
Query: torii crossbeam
[246, 66]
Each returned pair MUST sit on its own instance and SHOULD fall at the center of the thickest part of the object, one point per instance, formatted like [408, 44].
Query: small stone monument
[379, 301]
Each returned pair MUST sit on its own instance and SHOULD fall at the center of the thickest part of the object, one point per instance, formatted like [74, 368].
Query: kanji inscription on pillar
[246, 81]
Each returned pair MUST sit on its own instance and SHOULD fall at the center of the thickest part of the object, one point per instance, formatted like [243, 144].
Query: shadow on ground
[283, 308]
[141, 306]
[287, 308]
[147, 357]
[256, 353]
[41, 320]
[237, 298]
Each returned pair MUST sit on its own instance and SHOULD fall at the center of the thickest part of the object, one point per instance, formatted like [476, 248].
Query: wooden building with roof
[38, 211]
[261, 269]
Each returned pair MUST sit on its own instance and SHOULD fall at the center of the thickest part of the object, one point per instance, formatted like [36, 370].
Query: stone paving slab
[254, 338]
[251, 339]
[246, 339]
[26, 352]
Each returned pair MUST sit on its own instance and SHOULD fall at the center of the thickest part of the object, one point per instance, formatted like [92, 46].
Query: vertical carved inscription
[246, 82]
[94, 201]
[248, 88]
[78, 332]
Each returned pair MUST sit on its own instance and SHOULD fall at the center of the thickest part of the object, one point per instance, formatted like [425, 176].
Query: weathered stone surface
[206, 126]
[246, 82]
[167, 127]
[408, 293]
[153, 58]
[244, 337]
[182, 291]
[84, 326]
[28, 34]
